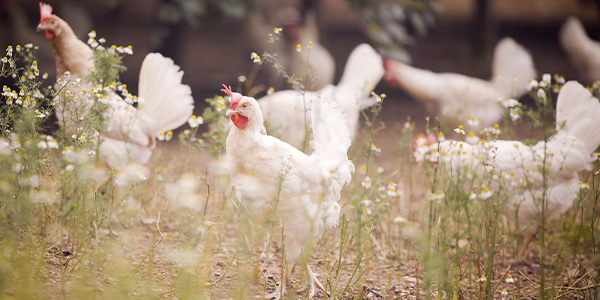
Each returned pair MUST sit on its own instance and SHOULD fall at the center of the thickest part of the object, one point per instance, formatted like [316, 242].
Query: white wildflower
[510, 279]
[460, 130]
[366, 183]
[195, 121]
[365, 201]
[399, 219]
[473, 122]
[540, 93]
[583, 186]
[532, 84]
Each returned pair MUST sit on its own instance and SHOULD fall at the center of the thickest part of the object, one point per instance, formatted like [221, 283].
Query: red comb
[227, 90]
[45, 11]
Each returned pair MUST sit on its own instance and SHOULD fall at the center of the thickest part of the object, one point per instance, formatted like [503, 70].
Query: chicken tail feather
[577, 114]
[165, 101]
[512, 68]
[363, 70]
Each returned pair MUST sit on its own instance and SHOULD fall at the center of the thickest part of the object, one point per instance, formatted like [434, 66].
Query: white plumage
[286, 112]
[458, 97]
[568, 152]
[164, 102]
[270, 174]
[582, 51]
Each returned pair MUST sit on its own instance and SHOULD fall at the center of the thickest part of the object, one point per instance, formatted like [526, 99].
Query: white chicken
[582, 51]
[286, 112]
[129, 133]
[567, 153]
[297, 30]
[459, 98]
[271, 175]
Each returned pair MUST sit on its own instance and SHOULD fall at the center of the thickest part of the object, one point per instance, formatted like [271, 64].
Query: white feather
[582, 51]
[286, 112]
[305, 188]
[459, 97]
[567, 153]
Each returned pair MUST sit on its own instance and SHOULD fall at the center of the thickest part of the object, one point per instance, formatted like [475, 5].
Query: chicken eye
[52, 22]
[245, 105]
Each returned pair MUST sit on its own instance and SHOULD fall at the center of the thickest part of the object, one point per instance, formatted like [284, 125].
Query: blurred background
[212, 40]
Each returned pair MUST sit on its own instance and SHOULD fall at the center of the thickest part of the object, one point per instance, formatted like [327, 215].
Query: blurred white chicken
[285, 112]
[273, 177]
[129, 133]
[297, 29]
[459, 98]
[582, 51]
[567, 153]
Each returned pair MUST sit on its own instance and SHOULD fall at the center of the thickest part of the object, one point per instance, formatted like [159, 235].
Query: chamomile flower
[52, 143]
[392, 190]
[460, 130]
[437, 197]
[255, 57]
[472, 138]
[514, 114]
[559, 79]
[532, 84]
[509, 279]
[271, 90]
[365, 201]
[366, 183]
[540, 93]
[510, 103]
[473, 122]
[495, 130]
[310, 44]
[362, 169]
[375, 149]
[399, 219]
[195, 121]
[482, 279]
[583, 186]
[277, 30]
[485, 193]
[42, 145]
[168, 135]
[9, 51]
[441, 137]
[546, 80]
[298, 48]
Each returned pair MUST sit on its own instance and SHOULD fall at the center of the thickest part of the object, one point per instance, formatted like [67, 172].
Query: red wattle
[49, 34]
[239, 121]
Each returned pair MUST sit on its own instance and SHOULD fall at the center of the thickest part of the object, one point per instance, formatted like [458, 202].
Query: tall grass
[72, 229]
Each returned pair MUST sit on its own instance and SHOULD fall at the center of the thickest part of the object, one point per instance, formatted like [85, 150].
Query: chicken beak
[40, 27]
[230, 112]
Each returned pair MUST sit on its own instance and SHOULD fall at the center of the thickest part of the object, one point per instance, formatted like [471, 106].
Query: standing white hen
[567, 152]
[271, 175]
[129, 133]
[458, 97]
[582, 51]
[286, 112]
